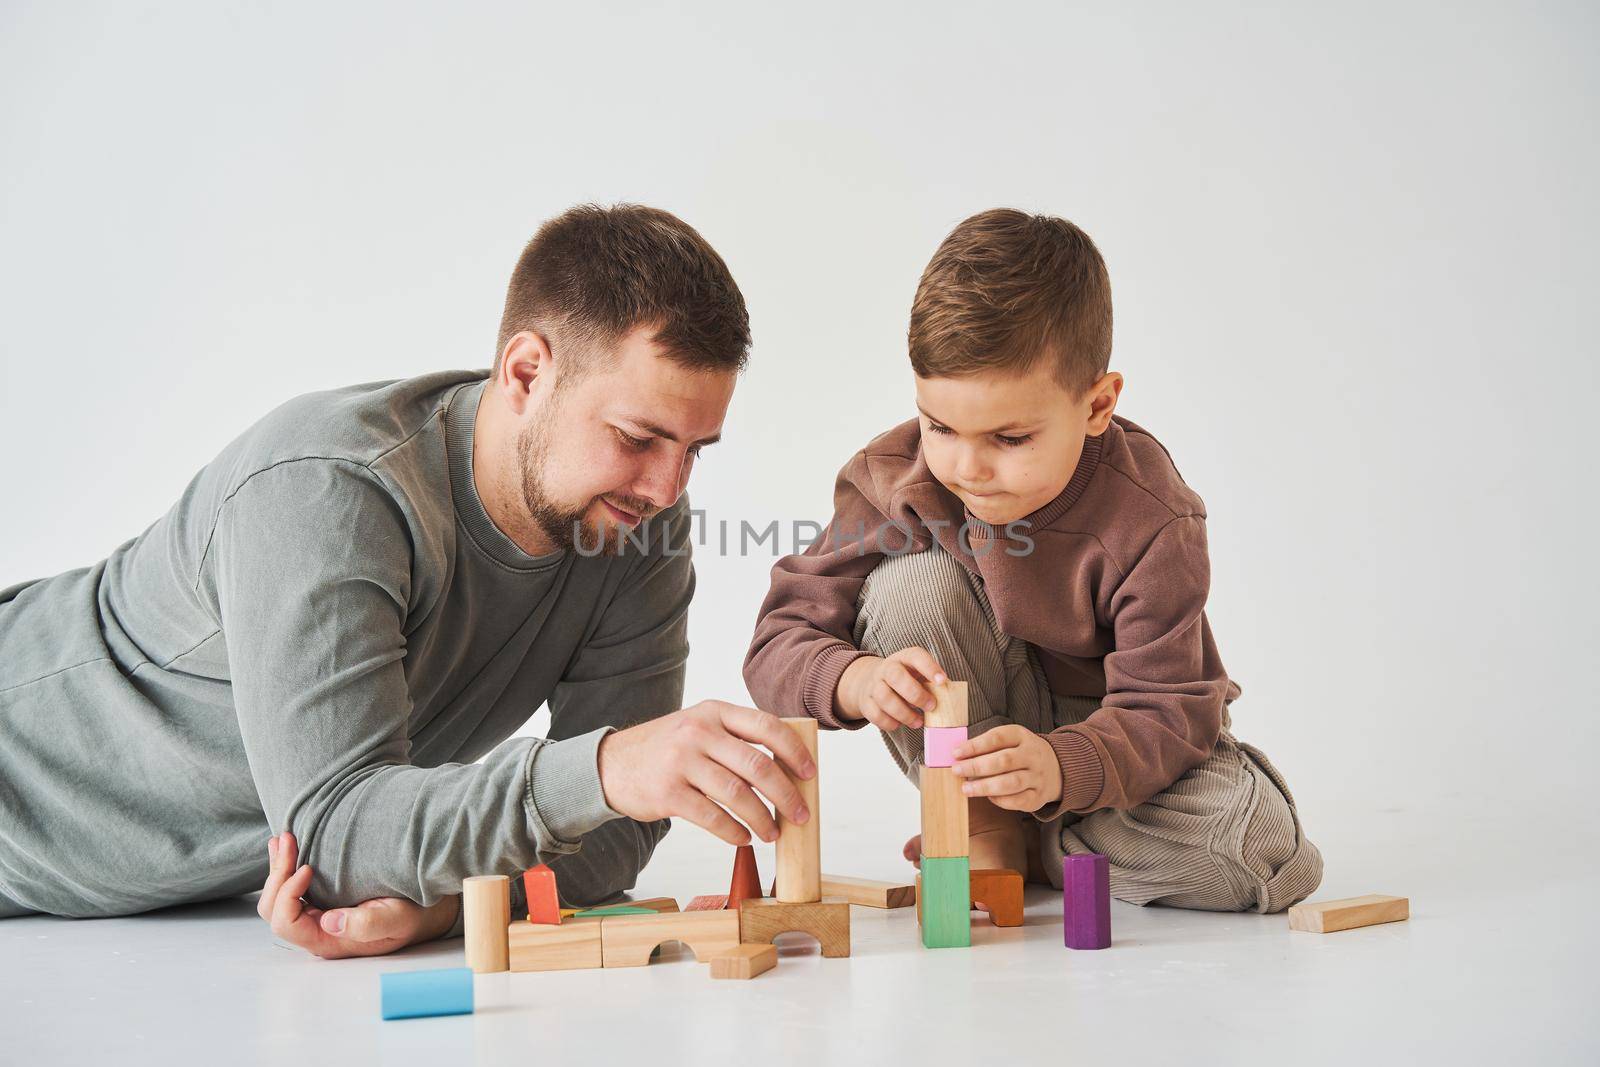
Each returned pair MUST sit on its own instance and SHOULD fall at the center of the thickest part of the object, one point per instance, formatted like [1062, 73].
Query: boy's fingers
[895, 706]
[922, 661]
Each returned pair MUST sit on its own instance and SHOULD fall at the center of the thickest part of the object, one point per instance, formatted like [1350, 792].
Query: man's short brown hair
[593, 274]
[1007, 289]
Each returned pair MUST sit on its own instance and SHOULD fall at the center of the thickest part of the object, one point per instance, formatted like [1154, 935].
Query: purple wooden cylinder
[1086, 901]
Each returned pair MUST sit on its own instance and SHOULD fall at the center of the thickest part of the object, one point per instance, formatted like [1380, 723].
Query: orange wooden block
[539, 884]
[746, 884]
[1000, 894]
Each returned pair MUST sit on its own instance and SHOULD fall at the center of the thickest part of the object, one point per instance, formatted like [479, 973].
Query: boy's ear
[1102, 397]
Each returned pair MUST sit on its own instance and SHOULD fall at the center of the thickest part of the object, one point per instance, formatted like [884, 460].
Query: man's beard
[564, 526]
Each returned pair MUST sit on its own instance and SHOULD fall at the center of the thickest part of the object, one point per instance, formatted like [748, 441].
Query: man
[374, 587]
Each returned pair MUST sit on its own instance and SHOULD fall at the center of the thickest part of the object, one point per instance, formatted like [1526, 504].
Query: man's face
[601, 454]
[1007, 444]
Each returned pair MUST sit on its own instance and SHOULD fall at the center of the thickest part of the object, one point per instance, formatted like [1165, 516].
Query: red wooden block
[708, 903]
[544, 906]
[746, 884]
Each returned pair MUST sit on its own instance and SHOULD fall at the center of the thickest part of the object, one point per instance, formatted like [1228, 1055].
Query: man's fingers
[287, 909]
[696, 808]
[728, 790]
[766, 729]
[282, 850]
[382, 919]
[755, 768]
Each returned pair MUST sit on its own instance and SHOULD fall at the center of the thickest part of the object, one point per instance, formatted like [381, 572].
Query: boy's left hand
[1012, 766]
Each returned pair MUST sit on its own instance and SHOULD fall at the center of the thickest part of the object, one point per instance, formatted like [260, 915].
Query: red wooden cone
[746, 878]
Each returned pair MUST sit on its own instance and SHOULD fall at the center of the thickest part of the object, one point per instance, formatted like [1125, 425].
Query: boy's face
[1007, 444]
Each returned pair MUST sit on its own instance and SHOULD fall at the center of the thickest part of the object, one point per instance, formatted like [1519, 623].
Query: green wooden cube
[945, 902]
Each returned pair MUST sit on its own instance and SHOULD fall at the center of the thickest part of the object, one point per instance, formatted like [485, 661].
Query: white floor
[1495, 965]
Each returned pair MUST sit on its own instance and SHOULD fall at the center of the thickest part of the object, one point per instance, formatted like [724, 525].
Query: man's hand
[686, 764]
[371, 928]
[890, 693]
[1012, 766]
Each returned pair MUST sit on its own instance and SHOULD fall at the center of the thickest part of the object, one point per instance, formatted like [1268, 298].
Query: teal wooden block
[415, 994]
[616, 909]
[946, 902]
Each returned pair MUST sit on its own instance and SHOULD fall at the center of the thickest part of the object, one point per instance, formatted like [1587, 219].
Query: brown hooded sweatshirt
[1108, 582]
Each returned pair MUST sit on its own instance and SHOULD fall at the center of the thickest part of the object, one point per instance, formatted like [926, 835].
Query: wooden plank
[800, 844]
[950, 705]
[571, 946]
[744, 961]
[628, 940]
[828, 921]
[944, 814]
[653, 903]
[1330, 916]
[485, 911]
[944, 902]
[866, 893]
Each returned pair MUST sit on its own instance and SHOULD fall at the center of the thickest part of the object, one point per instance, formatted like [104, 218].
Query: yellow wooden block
[744, 961]
[572, 945]
[1329, 916]
[628, 940]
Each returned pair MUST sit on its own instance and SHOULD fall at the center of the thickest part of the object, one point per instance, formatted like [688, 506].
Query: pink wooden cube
[939, 744]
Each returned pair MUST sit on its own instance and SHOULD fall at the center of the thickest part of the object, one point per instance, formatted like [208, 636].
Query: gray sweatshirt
[322, 636]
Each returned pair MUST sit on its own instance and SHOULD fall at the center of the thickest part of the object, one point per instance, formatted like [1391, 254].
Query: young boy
[1020, 536]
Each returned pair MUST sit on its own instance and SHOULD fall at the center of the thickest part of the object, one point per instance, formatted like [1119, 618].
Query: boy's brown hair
[1007, 289]
[593, 274]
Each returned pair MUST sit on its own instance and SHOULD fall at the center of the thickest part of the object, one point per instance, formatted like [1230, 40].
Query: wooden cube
[950, 706]
[944, 814]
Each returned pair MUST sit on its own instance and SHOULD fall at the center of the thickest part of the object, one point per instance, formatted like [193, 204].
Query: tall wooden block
[828, 921]
[1086, 901]
[485, 912]
[800, 844]
[944, 902]
[573, 945]
[628, 940]
[866, 893]
[744, 961]
[1329, 916]
[944, 814]
[950, 706]
[998, 892]
[539, 886]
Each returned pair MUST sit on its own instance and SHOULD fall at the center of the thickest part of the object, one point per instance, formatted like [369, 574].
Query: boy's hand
[1012, 766]
[371, 928]
[890, 693]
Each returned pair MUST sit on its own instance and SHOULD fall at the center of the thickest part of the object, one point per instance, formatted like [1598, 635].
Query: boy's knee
[915, 600]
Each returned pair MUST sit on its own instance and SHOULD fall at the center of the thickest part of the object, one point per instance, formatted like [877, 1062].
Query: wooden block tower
[945, 900]
[796, 903]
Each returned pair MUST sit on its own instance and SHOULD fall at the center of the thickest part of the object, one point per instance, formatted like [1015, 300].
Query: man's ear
[1102, 397]
[526, 368]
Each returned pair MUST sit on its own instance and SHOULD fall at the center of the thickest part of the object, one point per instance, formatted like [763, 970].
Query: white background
[1352, 249]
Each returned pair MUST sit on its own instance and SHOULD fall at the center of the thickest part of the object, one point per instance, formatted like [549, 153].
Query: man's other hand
[371, 928]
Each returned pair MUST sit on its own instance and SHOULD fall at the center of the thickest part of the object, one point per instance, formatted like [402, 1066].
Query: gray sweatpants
[1224, 837]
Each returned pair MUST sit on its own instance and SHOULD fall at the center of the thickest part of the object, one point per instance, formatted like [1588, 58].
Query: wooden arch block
[999, 893]
[628, 940]
[828, 921]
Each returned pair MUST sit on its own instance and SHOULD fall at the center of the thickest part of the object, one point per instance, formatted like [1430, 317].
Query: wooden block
[662, 904]
[744, 961]
[571, 946]
[950, 706]
[1086, 901]
[485, 911]
[707, 903]
[944, 814]
[828, 921]
[615, 909]
[1329, 916]
[999, 893]
[800, 844]
[869, 894]
[939, 744]
[746, 883]
[539, 886]
[628, 940]
[418, 994]
[944, 902]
